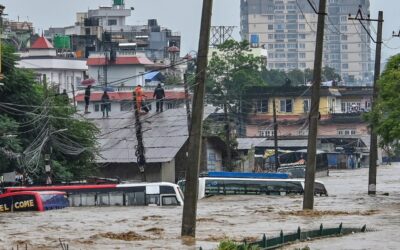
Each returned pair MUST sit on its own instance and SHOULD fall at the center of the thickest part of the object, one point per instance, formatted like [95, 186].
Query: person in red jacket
[139, 97]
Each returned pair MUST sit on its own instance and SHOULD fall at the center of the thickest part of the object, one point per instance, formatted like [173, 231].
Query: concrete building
[108, 24]
[123, 69]
[61, 72]
[287, 28]
[340, 110]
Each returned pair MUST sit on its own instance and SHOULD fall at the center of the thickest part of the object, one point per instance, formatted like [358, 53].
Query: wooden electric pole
[187, 101]
[196, 129]
[308, 201]
[373, 154]
[373, 151]
[275, 136]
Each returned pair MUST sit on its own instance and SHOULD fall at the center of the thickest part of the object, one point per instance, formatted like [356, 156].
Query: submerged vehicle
[20, 201]
[209, 186]
[130, 194]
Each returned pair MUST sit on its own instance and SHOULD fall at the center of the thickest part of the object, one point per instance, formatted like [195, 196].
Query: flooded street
[235, 217]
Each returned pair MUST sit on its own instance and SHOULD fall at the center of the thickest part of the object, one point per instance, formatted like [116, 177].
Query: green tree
[33, 118]
[231, 69]
[385, 116]
[329, 74]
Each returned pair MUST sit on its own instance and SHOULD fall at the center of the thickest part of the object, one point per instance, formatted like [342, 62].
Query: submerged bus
[130, 194]
[32, 201]
[209, 186]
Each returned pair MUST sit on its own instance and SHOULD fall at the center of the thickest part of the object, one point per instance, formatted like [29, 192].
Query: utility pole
[139, 153]
[187, 101]
[227, 136]
[308, 201]
[275, 136]
[196, 129]
[373, 151]
[47, 148]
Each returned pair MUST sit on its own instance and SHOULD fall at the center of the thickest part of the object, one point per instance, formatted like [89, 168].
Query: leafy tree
[329, 74]
[231, 69]
[296, 76]
[385, 116]
[32, 119]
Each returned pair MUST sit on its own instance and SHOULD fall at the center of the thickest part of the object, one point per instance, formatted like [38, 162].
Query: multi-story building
[287, 28]
[340, 111]
[61, 72]
[108, 24]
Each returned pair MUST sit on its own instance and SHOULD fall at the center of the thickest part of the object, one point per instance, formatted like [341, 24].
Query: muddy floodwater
[219, 217]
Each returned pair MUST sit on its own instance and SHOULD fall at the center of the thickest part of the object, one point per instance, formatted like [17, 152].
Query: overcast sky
[178, 15]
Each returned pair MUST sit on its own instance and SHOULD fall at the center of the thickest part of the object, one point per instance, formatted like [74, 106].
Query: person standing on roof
[139, 96]
[87, 98]
[159, 94]
[105, 104]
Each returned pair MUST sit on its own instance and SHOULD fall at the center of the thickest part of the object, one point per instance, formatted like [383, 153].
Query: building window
[270, 26]
[262, 106]
[306, 105]
[349, 131]
[345, 66]
[350, 107]
[302, 55]
[286, 105]
[266, 133]
[302, 26]
[112, 22]
[344, 47]
[302, 45]
[96, 107]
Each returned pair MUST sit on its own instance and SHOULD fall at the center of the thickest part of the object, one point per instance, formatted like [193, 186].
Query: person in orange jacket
[139, 96]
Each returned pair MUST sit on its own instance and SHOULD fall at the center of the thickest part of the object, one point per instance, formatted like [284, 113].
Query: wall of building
[130, 172]
[117, 72]
[168, 171]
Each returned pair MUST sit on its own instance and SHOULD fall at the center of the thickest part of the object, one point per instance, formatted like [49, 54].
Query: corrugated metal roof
[164, 135]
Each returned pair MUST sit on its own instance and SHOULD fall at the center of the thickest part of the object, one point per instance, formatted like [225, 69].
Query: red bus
[32, 201]
[130, 194]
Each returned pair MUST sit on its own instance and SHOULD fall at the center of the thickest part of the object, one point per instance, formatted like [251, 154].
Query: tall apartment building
[287, 29]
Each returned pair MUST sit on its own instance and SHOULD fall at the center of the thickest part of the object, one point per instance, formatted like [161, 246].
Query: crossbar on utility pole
[196, 129]
[308, 201]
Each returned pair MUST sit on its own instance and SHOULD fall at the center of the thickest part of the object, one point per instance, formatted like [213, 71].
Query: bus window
[169, 200]
[116, 198]
[167, 190]
[103, 199]
[88, 199]
[153, 199]
[75, 200]
[135, 199]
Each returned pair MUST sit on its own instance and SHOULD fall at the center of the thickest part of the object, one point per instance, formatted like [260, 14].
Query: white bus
[130, 194]
[209, 186]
